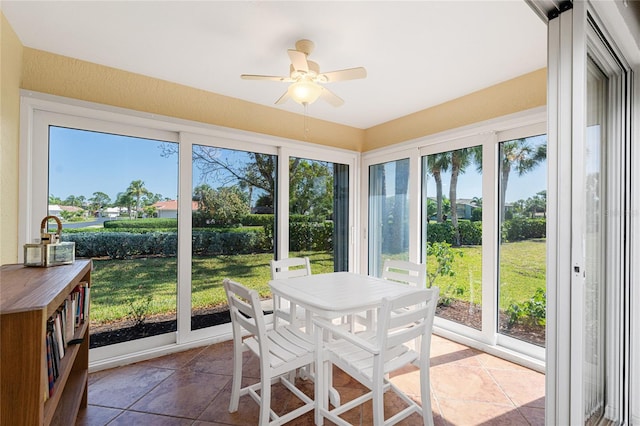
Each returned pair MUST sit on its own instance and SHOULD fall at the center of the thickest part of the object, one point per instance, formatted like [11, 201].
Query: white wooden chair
[370, 356]
[289, 268]
[400, 271]
[281, 351]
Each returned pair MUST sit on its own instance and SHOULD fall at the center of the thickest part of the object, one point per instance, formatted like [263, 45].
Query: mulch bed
[124, 331]
[471, 315]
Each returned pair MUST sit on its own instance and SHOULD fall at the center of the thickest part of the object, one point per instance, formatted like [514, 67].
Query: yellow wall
[40, 71]
[87, 81]
[10, 72]
[522, 93]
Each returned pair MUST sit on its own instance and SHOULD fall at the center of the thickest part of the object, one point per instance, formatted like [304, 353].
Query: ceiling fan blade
[282, 99]
[298, 60]
[331, 97]
[265, 77]
[341, 75]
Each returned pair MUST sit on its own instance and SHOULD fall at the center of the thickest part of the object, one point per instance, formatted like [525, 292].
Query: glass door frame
[574, 34]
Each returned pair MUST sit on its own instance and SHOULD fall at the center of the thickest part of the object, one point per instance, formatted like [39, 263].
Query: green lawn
[119, 285]
[522, 271]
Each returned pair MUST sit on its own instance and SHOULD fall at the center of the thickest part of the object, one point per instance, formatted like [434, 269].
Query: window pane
[452, 232]
[233, 227]
[108, 189]
[388, 213]
[522, 266]
[319, 213]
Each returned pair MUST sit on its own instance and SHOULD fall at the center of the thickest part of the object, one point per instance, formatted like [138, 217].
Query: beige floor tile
[122, 387]
[184, 394]
[96, 416]
[523, 387]
[470, 413]
[466, 383]
[134, 418]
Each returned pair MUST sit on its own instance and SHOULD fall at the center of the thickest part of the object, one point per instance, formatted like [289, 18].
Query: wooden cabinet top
[25, 288]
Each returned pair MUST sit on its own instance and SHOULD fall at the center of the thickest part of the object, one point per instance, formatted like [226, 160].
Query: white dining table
[337, 294]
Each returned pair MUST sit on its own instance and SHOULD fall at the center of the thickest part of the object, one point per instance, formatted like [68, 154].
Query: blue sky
[83, 162]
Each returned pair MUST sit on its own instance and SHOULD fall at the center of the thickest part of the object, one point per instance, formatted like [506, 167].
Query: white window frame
[38, 109]
[488, 134]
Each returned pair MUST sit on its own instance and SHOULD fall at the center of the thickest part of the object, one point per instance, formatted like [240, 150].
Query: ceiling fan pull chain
[306, 122]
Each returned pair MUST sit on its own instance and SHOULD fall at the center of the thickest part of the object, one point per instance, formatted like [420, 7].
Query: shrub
[141, 223]
[125, 245]
[311, 236]
[532, 311]
[523, 229]
[257, 220]
[470, 233]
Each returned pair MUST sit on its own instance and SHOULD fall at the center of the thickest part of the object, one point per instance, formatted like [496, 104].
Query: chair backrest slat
[290, 268]
[405, 272]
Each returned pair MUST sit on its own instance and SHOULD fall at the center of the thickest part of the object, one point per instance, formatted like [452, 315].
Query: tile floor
[469, 387]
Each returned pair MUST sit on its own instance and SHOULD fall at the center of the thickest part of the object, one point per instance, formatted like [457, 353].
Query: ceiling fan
[307, 79]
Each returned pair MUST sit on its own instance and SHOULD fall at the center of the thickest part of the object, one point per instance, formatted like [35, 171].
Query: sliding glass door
[589, 365]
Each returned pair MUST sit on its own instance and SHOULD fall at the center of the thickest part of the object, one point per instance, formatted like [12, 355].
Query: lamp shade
[305, 92]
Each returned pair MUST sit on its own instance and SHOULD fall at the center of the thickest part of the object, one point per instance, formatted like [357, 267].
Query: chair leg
[425, 395]
[237, 377]
[378, 402]
[265, 400]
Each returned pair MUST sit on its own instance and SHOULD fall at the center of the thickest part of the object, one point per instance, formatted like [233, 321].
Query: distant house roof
[57, 208]
[172, 205]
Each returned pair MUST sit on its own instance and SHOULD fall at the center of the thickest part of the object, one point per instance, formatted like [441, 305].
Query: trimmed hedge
[471, 232]
[311, 236]
[524, 229]
[125, 245]
[141, 223]
[303, 236]
[205, 242]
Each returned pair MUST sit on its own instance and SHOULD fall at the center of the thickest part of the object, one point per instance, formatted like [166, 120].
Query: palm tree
[519, 155]
[438, 163]
[460, 159]
[137, 190]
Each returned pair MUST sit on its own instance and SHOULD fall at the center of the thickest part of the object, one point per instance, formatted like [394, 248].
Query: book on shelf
[57, 328]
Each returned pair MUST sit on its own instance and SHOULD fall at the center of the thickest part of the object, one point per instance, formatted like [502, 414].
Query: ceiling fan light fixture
[305, 92]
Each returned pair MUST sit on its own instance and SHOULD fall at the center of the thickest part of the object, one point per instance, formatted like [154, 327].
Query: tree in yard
[310, 188]
[249, 170]
[72, 200]
[99, 201]
[125, 200]
[54, 200]
[252, 172]
[137, 190]
[518, 155]
[223, 206]
[438, 163]
[537, 203]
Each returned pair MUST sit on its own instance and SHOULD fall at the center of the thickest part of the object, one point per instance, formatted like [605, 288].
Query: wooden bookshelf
[28, 297]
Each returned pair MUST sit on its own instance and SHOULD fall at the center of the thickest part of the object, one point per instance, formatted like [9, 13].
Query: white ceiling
[417, 54]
